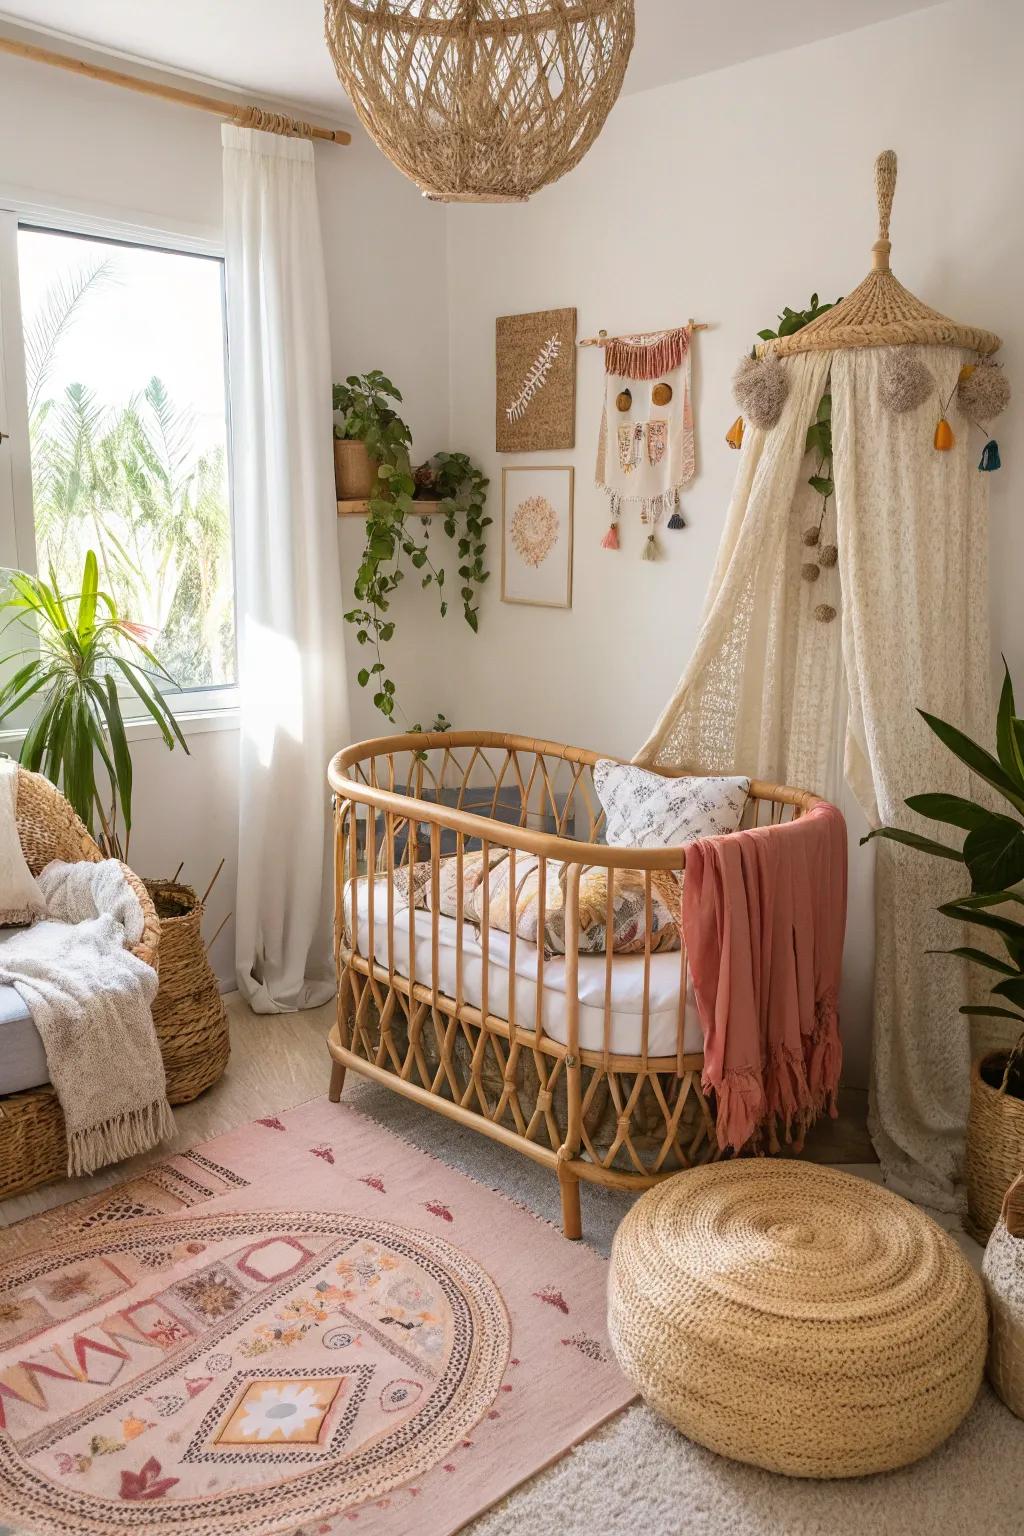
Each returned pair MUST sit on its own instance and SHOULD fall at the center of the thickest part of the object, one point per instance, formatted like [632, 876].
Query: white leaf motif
[535, 379]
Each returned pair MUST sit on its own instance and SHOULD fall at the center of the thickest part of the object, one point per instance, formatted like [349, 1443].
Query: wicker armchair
[33, 1148]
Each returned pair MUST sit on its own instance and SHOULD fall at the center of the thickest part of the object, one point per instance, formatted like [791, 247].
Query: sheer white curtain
[294, 711]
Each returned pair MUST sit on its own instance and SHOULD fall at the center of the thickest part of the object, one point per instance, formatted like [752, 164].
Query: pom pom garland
[829, 555]
[906, 380]
[983, 391]
[760, 385]
[811, 536]
[810, 572]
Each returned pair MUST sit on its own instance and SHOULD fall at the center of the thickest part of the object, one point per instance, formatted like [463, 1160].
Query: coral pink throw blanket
[764, 915]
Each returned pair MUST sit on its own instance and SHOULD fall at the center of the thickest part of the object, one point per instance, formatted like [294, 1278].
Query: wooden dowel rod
[250, 117]
[602, 338]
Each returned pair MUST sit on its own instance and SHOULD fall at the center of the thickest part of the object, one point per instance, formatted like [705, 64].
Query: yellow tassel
[966, 371]
[944, 438]
[734, 436]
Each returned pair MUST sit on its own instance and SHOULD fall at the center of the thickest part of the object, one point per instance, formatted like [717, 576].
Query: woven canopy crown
[481, 100]
[881, 312]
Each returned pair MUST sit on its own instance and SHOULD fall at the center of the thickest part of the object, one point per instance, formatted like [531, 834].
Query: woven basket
[33, 1147]
[796, 1318]
[188, 1013]
[482, 103]
[1003, 1272]
[995, 1145]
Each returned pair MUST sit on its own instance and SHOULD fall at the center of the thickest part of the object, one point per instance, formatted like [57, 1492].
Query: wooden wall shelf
[422, 508]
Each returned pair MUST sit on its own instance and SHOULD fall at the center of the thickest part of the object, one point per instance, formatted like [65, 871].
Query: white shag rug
[639, 1477]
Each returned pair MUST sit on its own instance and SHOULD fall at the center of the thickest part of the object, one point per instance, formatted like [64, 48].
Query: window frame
[200, 707]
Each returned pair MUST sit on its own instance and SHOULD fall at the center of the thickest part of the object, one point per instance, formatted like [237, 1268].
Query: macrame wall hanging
[645, 447]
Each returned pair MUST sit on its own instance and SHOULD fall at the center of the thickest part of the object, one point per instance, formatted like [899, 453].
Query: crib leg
[572, 1221]
[337, 1082]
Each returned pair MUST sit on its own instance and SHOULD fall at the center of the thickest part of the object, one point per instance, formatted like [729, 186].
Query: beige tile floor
[281, 1060]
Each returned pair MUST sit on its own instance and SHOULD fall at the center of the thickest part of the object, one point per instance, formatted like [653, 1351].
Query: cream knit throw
[90, 999]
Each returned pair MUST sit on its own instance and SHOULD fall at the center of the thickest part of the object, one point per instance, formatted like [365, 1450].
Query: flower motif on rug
[212, 1295]
[586, 1346]
[375, 1181]
[438, 1208]
[553, 1297]
[147, 1482]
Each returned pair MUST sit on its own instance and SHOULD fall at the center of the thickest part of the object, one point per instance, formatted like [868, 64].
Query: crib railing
[406, 804]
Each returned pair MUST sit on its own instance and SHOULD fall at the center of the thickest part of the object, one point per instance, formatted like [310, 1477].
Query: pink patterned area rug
[305, 1326]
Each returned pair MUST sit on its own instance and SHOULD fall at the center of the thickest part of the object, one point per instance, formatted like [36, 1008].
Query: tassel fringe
[676, 520]
[611, 538]
[652, 549]
[646, 359]
[118, 1138]
[990, 456]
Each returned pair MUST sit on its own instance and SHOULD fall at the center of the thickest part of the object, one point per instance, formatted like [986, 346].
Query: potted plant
[367, 432]
[453, 486]
[993, 852]
[81, 654]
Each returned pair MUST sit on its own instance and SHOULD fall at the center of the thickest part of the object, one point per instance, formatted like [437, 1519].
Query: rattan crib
[531, 1049]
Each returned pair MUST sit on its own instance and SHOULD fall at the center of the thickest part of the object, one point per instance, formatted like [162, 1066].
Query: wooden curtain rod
[245, 117]
[602, 338]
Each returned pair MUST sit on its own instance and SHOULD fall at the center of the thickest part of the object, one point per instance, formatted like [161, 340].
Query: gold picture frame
[537, 510]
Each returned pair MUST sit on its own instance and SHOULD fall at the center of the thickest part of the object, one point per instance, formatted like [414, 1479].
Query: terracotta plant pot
[354, 471]
[995, 1144]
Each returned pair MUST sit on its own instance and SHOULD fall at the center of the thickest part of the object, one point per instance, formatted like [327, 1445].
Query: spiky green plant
[81, 651]
[993, 851]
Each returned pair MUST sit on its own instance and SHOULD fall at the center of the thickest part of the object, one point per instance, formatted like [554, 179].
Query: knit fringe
[635, 359]
[119, 1137]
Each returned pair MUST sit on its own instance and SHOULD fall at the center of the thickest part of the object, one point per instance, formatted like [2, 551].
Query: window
[124, 360]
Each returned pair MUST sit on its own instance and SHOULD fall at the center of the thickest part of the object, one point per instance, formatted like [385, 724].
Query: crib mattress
[627, 979]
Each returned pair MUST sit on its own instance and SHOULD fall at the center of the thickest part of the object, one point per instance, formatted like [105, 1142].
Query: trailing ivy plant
[366, 407]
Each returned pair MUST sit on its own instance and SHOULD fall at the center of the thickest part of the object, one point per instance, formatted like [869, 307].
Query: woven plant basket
[484, 102]
[355, 473]
[1003, 1272]
[188, 1013]
[995, 1144]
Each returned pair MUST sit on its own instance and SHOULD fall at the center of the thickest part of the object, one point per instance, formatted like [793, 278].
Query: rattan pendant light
[881, 312]
[481, 101]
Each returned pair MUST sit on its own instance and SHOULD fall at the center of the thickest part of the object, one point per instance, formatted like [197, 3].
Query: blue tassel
[990, 456]
[676, 520]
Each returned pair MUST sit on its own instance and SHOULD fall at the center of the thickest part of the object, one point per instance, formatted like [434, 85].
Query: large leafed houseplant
[992, 850]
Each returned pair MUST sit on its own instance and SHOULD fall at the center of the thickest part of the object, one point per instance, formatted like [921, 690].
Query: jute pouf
[796, 1317]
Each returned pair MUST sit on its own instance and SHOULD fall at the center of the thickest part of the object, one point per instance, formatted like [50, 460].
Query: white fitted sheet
[626, 982]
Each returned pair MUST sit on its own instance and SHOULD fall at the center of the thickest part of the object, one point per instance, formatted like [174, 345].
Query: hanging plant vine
[819, 443]
[366, 405]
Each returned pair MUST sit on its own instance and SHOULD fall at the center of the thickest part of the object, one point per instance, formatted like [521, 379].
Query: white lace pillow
[646, 810]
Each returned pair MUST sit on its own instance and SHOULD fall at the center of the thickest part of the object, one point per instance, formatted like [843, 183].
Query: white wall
[724, 198]
[77, 145]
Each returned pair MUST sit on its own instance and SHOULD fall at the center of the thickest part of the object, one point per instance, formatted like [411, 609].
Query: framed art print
[536, 535]
[535, 381]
